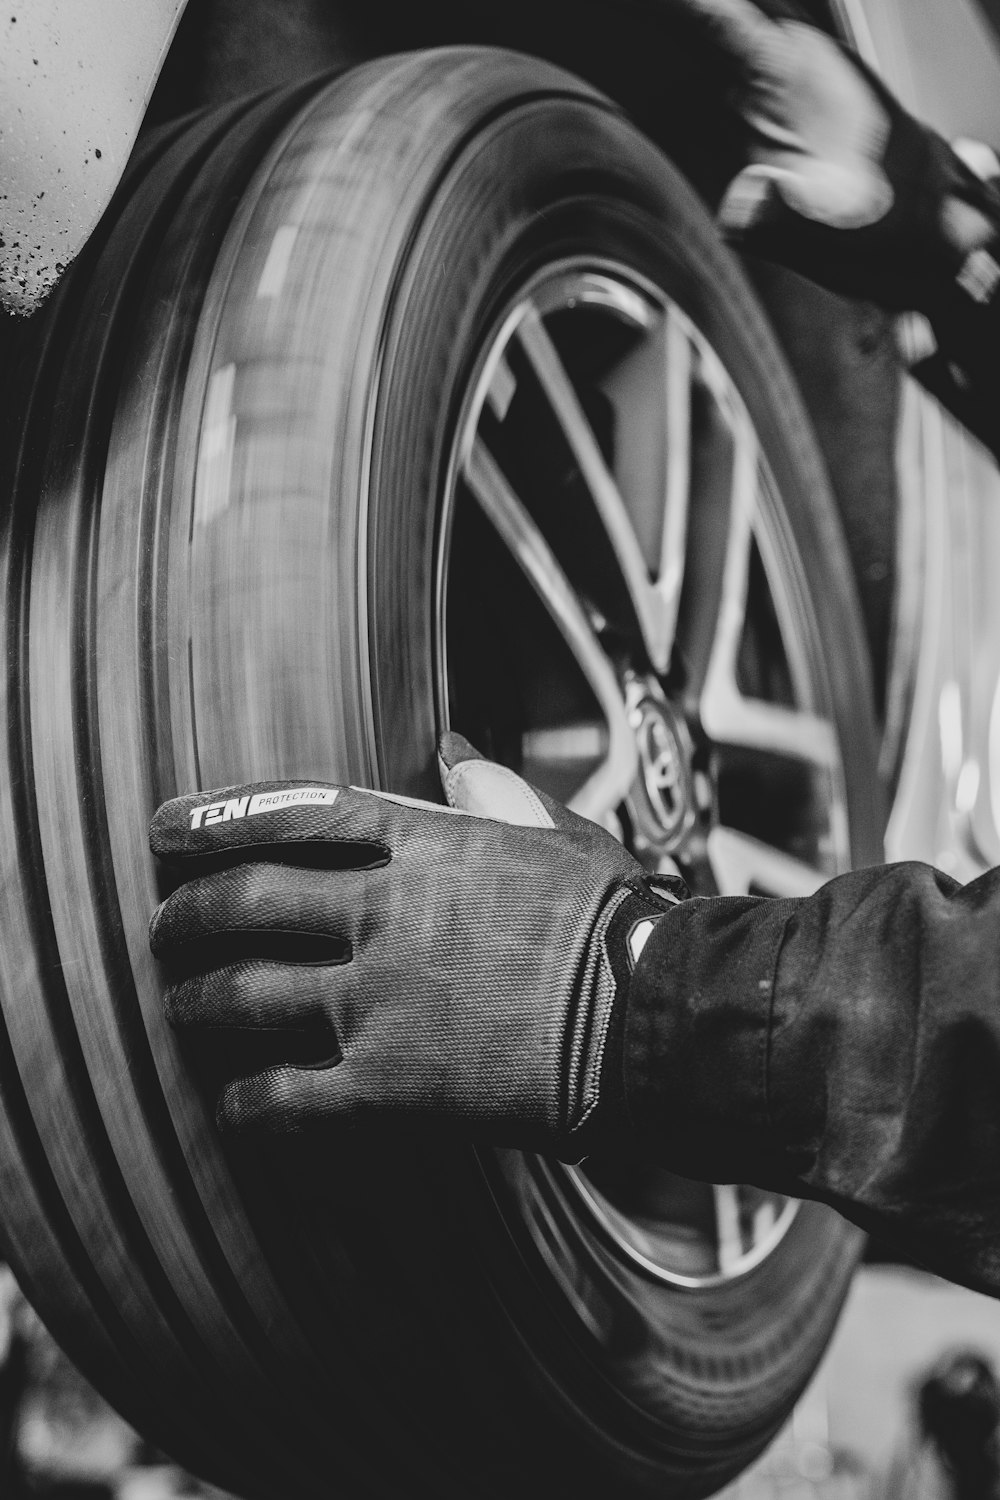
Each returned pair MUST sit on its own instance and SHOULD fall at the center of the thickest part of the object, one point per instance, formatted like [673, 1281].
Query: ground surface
[849, 1432]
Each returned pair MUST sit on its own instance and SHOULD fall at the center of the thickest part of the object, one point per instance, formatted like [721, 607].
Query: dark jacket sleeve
[964, 372]
[845, 1047]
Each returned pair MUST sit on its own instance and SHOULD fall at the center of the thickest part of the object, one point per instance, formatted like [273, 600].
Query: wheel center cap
[663, 794]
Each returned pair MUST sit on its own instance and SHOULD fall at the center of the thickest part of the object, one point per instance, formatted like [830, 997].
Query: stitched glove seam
[595, 1062]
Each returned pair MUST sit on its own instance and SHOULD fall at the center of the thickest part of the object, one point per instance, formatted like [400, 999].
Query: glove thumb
[473, 784]
[833, 194]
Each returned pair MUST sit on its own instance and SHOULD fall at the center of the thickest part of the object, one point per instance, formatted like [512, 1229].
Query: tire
[250, 462]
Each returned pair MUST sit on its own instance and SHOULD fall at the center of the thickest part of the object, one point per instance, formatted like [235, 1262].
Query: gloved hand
[466, 963]
[842, 183]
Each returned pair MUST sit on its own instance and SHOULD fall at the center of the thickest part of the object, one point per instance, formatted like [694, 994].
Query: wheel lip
[746, 1264]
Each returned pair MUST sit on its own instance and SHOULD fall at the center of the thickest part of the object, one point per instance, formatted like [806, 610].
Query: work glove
[387, 957]
[841, 183]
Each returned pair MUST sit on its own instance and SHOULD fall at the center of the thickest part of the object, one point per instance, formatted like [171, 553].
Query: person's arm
[845, 186]
[844, 1047]
[524, 983]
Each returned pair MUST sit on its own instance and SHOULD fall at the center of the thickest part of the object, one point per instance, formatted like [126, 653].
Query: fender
[75, 80]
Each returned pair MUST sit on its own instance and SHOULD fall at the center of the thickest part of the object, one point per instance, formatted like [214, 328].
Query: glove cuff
[619, 938]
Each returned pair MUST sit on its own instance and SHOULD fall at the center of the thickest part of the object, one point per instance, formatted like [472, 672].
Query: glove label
[262, 802]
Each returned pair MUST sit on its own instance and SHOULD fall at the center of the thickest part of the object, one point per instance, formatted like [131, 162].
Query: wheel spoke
[677, 368]
[605, 788]
[727, 716]
[650, 390]
[584, 741]
[728, 1235]
[655, 602]
[741, 864]
[720, 678]
[734, 720]
[765, 1217]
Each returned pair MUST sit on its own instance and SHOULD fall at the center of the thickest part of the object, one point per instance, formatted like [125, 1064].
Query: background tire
[235, 505]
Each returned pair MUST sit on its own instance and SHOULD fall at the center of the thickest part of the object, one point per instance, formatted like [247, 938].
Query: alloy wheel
[621, 618]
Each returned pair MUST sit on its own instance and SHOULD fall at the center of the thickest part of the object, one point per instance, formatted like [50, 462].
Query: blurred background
[856, 1434]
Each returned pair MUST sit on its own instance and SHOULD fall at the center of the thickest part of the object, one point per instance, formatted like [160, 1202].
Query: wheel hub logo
[662, 771]
[663, 793]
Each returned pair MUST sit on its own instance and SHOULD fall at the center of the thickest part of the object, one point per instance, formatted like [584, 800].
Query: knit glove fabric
[399, 958]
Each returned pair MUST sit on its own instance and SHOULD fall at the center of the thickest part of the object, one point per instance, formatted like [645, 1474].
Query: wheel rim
[622, 616]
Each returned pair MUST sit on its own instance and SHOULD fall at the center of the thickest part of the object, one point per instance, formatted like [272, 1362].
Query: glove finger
[262, 911]
[259, 995]
[335, 827]
[485, 789]
[826, 193]
[981, 160]
[311, 823]
[747, 200]
[283, 1100]
[248, 1017]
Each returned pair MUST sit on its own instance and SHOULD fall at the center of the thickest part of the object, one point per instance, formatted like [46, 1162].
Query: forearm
[845, 1048]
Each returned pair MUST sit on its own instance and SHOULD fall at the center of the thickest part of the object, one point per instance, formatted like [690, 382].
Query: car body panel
[75, 80]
